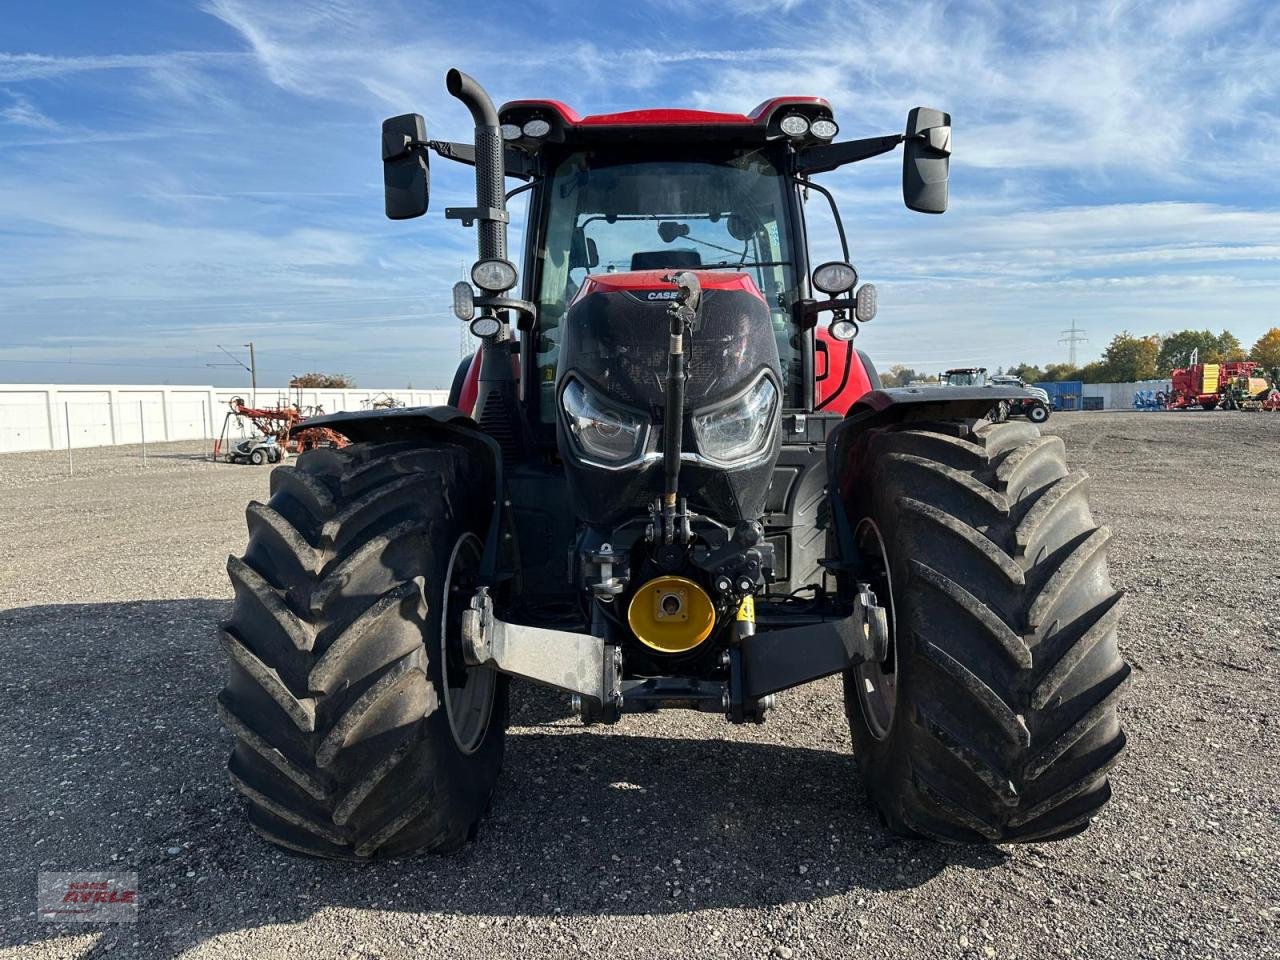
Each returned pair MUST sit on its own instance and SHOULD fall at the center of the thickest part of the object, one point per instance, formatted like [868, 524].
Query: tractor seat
[666, 260]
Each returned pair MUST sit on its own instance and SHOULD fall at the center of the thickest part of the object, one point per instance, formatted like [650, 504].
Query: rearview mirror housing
[926, 160]
[406, 169]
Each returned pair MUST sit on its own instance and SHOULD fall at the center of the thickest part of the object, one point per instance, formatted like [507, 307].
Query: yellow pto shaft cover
[671, 614]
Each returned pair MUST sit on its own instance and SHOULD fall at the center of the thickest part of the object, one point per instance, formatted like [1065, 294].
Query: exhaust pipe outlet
[491, 224]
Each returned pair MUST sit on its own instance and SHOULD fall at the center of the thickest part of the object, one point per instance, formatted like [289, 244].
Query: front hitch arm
[778, 659]
[574, 662]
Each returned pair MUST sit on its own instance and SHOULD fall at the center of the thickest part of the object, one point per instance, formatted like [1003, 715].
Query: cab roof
[567, 125]
[660, 116]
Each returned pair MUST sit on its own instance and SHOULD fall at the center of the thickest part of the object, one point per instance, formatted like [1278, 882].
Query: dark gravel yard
[670, 835]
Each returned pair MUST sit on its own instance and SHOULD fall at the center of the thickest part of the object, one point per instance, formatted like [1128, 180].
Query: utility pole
[251, 369]
[253, 372]
[1071, 338]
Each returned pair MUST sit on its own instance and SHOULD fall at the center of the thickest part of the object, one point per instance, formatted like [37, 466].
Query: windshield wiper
[725, 264]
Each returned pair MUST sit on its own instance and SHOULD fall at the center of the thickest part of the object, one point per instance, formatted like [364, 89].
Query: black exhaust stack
[491, 206]
[497, 408]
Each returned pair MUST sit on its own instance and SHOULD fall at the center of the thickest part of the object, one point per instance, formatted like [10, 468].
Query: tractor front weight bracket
[577, 663]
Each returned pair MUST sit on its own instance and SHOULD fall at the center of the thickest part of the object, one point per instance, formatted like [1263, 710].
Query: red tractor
[657, 487]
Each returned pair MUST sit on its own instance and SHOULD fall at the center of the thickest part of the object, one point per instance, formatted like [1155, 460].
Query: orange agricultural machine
[282, 426]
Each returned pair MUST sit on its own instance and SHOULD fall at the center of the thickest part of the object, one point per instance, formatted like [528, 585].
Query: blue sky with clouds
[179, 175]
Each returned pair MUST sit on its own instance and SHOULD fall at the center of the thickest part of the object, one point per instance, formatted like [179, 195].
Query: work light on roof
[536, 128]
[510, 131]
[794, 125]
[824, 129]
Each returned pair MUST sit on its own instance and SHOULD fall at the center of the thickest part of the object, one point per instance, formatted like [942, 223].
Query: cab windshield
[966, 378]
[722, 213]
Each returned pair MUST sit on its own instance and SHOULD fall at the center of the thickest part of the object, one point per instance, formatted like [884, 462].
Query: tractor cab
[966, 377]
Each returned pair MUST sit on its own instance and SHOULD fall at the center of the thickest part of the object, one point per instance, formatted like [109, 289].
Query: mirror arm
[518, 164]
[829, 156]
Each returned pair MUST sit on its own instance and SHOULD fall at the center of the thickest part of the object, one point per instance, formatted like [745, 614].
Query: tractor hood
[610, 393]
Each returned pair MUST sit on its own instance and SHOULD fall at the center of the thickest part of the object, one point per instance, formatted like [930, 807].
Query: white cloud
[33, 66]
[23, 112]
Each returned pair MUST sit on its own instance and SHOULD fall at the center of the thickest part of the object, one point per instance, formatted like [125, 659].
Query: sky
[179, 178]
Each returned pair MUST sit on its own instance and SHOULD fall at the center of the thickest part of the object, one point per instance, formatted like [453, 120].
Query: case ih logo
[662, 295]
[88, 897]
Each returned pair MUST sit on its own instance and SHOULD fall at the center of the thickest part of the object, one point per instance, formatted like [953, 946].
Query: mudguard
[878, 409]
[447, 425]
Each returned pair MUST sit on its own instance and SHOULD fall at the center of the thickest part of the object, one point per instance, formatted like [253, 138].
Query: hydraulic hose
[490, 175]
[683, 314]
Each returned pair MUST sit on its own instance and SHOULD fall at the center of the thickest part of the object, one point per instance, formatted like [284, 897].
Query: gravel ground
[53, 466]
[671, 835]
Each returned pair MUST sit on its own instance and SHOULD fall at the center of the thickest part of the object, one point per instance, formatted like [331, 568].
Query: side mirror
[582, 252]
[926, 160]
[406, 170]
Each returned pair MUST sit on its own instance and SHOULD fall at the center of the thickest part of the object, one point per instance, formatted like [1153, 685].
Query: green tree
[1229, 348]
[1129, 358]
[1056, 372]
[1267, 350]
[899, 376]
[1095, 372]
[1027, 372]
[1177, 349]
[323, 381]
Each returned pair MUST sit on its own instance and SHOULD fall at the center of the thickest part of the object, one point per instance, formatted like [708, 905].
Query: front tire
[336, 643]
[1038, 413]
[1005, 668]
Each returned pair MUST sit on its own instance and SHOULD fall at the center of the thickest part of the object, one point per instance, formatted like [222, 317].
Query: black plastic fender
[450, 425]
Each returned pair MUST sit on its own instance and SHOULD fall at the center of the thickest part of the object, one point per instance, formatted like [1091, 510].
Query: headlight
[738, 431]
[602, 432]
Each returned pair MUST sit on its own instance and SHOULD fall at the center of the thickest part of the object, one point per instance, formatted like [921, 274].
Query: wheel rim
[468, 704]
[877, 683]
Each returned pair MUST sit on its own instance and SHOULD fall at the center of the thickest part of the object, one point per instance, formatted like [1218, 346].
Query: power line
[122, 363]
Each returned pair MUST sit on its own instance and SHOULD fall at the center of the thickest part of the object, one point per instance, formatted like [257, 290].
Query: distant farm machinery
[277, 431]
[1234, 385]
